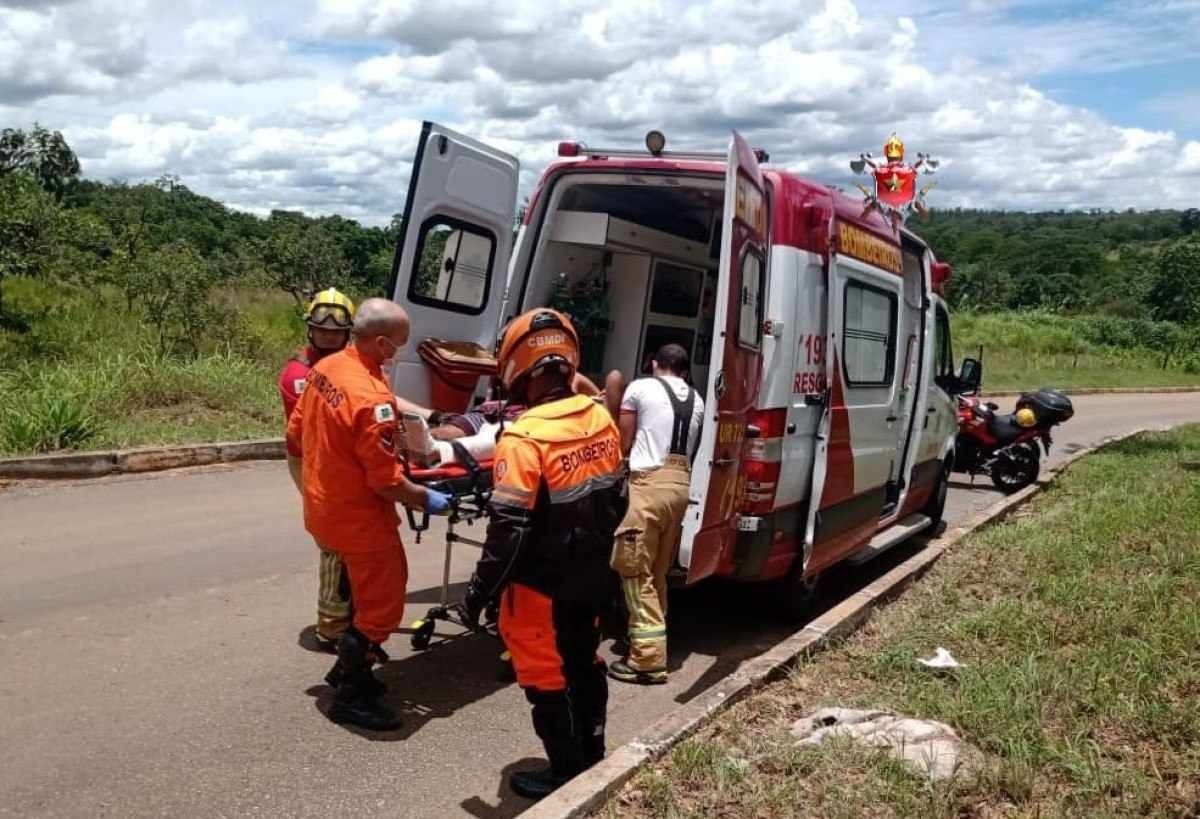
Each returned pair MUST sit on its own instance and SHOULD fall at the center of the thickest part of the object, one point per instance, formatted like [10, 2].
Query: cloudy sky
[316, 104]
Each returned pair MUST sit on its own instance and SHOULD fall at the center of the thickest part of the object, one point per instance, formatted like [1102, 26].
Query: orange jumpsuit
[559, 494]
[345, 429]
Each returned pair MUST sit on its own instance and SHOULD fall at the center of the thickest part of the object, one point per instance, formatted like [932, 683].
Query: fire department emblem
[896, 194]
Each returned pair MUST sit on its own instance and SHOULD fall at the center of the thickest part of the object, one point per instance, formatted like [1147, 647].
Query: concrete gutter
[128, 461]
[591, 789]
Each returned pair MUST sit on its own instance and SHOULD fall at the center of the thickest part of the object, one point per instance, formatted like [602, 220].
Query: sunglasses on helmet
[330, 315]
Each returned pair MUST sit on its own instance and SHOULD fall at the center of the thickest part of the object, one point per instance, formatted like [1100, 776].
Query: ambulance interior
[651, 246]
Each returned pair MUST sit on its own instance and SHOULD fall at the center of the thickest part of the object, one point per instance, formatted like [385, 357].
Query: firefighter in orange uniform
[559, 495]
[345, 429]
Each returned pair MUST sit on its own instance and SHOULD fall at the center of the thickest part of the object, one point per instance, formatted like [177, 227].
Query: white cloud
[332, 104]
[61, 52]
[321, 109]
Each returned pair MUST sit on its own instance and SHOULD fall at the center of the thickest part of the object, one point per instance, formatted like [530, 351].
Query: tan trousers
[333, 588]
[646, 542]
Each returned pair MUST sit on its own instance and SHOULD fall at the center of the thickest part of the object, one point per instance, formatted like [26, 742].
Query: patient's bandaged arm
[423, 451]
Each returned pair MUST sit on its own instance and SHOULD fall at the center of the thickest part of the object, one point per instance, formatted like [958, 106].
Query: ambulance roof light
[655, 142]
[571, 148]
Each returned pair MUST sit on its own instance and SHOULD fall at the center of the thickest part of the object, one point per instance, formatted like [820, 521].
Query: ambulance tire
[935, 507]
[795, 597]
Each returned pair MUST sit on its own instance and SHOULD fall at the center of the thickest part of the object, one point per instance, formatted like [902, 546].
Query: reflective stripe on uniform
[510, 495]
[587, 487]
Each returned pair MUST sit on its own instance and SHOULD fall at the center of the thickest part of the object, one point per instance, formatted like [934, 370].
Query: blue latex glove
[436, 502]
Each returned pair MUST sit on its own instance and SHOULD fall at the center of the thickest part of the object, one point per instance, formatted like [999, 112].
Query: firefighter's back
[567, 454]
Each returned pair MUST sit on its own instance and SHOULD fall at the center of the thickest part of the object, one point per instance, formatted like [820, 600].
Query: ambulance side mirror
[970, 377]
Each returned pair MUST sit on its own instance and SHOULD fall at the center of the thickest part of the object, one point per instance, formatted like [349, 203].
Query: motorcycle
[1006, 447]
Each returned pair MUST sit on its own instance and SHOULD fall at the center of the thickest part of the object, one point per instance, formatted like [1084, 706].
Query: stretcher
[469, 487]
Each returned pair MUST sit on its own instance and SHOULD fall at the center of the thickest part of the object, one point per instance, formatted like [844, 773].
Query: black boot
[352, 701]
[590, 701]
[374, 687]
[561, 735]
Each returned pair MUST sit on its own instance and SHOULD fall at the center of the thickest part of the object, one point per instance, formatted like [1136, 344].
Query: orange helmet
[533, 339]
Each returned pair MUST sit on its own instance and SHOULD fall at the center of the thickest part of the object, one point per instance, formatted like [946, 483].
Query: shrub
[47, 424]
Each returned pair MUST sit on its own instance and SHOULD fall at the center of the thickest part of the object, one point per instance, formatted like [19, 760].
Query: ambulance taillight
[762, 460]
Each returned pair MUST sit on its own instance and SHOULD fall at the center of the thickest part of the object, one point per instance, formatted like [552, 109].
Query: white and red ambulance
[818, 335]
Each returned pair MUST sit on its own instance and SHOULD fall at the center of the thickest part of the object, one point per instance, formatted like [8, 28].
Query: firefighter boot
[590, 700]
[555, 725]
[352, 701]
[375, 687]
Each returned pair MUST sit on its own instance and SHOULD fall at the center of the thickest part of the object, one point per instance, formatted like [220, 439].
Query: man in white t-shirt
[660, 428]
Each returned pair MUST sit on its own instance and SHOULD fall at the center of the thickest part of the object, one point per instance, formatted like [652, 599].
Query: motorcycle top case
[1050, 406]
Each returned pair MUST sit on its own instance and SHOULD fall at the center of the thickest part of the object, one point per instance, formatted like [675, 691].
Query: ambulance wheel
[935, 507]
[422, 633]
[796, 595]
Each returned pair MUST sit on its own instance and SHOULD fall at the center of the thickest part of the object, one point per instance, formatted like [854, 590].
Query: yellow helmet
[1026, 418]
[331, 309]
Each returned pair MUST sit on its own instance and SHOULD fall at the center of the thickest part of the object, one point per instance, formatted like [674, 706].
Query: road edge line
[592, 788]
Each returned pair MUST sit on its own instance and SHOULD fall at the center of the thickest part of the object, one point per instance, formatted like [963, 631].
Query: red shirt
[292, 380]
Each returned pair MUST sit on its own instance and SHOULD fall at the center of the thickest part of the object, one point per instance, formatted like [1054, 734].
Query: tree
[302, 259]
[30, 223]
[1176, 292]
[42, 153]
[979, 286]
[174, 285]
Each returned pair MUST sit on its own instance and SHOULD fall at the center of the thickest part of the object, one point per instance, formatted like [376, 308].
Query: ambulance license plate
[748, 523]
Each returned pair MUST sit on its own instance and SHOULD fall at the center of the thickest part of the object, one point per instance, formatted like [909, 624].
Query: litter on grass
[941, 659]
[928, 747]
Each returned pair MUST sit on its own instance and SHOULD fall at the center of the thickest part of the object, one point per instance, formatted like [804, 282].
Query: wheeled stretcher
[468, 483]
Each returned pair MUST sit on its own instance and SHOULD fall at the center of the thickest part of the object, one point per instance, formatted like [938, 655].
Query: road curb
[129, 461]
[1101, 391]
[588, 791]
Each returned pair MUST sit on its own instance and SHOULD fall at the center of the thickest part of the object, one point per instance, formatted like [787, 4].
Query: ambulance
[818, 334]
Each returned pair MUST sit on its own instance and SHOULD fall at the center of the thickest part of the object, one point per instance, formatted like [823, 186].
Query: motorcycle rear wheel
[1017, 470]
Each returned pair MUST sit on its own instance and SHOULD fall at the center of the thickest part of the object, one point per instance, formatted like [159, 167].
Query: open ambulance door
[453, 249]
[833, 384]
[710, 525]
[864, 370]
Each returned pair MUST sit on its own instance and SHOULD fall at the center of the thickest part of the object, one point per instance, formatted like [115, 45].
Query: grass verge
[87, 374]
[1078, 622]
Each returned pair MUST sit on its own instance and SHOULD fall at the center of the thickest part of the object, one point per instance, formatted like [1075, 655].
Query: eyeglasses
[330, 314]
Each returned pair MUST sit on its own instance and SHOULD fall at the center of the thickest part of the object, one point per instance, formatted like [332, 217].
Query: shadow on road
[508, 804]
[733, 622]
[433, 595]
[433, 684]
[728, 622]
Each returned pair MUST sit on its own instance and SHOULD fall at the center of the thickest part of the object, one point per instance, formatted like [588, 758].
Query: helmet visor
[329, 315]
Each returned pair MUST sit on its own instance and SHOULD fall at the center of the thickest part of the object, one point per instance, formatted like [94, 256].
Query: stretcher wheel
[422, 633]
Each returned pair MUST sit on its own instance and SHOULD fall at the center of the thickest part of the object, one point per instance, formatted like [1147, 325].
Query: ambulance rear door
[453, 249]
[735, 370]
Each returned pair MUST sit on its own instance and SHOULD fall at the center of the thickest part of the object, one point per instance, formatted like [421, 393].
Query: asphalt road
[153, 660]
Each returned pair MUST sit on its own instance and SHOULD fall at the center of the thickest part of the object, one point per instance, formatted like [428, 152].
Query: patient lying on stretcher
[428, 433]
[425, 451]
